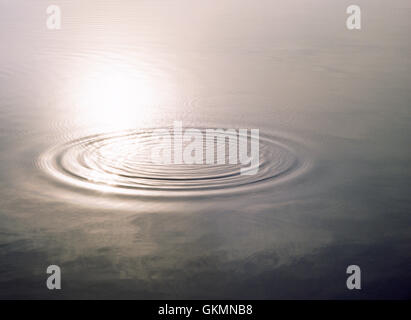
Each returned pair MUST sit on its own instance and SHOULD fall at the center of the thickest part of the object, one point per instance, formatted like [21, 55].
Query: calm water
[332, 107]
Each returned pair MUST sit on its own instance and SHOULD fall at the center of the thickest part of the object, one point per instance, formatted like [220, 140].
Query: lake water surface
[333, 108]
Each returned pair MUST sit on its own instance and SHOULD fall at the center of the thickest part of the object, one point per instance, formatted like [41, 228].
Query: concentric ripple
[121, 163]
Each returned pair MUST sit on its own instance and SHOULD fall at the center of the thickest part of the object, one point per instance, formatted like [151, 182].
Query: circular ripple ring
[121, 163]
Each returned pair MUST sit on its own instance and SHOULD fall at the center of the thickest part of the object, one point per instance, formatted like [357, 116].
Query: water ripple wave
[120, 163]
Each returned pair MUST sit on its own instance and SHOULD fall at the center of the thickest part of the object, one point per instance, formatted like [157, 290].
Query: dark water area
[77, 189]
